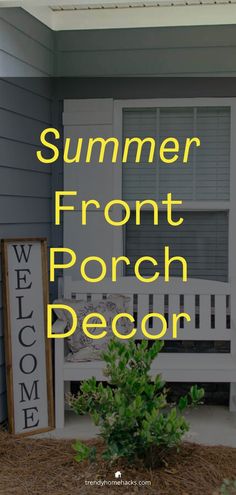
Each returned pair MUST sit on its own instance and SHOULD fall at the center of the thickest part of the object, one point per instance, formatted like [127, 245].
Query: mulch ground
[47, 467]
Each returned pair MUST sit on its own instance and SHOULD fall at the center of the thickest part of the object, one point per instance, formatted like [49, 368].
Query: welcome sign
[28, 352]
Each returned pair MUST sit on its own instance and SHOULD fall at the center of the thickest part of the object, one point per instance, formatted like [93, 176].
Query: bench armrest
[59, 326]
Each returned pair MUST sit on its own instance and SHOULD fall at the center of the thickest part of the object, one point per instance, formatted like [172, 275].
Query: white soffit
[62, 15]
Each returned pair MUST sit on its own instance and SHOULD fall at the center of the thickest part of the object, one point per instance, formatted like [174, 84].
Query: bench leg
[232, 397]
[66, 392]
[59, 384]
[59, 404]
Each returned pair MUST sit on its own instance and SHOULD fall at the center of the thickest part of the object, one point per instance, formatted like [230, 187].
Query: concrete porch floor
[210, 425]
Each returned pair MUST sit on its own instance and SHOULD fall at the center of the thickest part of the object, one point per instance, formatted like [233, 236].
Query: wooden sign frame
[15, 334]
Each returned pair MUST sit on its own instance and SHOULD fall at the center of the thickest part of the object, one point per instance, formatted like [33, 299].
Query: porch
[209, 425]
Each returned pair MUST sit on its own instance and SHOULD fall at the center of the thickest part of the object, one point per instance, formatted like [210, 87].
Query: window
[203, 237]
[202, 240]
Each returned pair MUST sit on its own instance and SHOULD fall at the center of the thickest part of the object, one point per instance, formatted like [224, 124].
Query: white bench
[207, 303]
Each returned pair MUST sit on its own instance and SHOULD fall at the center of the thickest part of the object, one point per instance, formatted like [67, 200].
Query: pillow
[81, 347]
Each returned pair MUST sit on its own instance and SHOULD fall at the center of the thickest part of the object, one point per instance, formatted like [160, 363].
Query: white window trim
[126, 14]
[228, 206]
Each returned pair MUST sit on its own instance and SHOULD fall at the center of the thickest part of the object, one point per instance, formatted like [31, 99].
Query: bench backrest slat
[207, 303]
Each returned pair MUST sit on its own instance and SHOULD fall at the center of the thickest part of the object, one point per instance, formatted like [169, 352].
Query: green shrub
[228, 487]
[132, 412]
[83, 452]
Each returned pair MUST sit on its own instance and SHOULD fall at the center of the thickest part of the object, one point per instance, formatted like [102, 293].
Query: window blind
[205, 177]
[202, 239]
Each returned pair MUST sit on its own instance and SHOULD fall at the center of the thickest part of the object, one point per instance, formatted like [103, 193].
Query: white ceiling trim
[145, 17]
[77, 4]
[114, 14]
